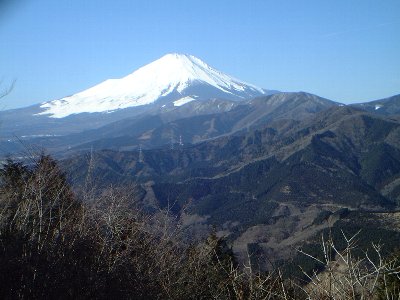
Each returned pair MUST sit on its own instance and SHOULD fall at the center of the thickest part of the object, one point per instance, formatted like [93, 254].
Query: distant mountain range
[177, 97]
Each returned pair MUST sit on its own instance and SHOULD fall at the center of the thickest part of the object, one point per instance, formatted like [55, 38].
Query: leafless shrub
[53, 245]
[37, 202]
[347, 276]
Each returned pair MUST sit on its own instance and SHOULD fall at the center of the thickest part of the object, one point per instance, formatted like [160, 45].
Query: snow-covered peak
[171, 75]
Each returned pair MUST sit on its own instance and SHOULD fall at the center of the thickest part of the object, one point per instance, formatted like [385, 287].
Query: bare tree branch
[8, 90]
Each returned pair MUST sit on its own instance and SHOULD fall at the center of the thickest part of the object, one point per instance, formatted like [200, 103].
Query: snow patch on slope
[183, 101]
[173, 73]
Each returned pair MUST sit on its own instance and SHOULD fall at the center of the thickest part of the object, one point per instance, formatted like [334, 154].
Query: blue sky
[344, 50]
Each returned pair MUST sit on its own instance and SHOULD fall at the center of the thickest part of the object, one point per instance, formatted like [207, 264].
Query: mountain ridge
[193, 122]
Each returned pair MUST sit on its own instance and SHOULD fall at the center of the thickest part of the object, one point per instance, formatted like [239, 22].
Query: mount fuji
[172, 80]
[174, 86]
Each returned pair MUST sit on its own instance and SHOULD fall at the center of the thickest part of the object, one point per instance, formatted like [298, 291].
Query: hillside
[288, 171]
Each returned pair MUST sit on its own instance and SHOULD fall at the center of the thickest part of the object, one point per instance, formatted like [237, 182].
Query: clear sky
[344, 50]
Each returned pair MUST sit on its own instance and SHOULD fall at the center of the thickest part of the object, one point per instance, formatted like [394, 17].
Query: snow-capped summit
[174, 79]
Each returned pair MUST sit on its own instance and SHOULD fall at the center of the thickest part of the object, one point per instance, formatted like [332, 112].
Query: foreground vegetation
[56, 244]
